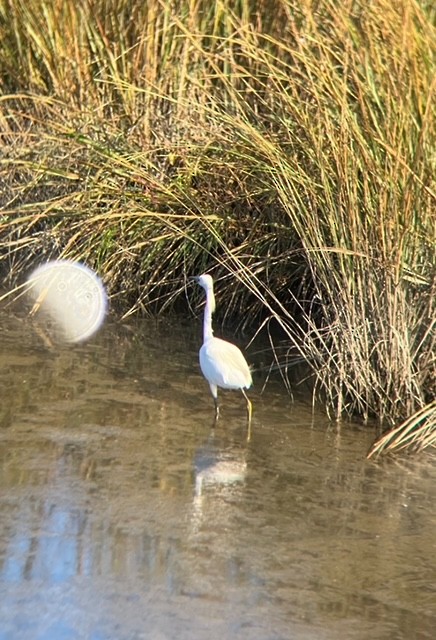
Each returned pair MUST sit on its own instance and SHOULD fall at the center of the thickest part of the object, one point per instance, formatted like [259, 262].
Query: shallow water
[125, 516]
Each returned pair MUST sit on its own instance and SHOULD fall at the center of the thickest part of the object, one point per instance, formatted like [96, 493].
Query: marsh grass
[416, 433]
[292, 150]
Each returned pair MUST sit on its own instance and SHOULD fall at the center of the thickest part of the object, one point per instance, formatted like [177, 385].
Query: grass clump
[292, 149]
[416, 433]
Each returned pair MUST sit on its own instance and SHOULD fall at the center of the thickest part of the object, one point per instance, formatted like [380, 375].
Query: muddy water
[125, 517]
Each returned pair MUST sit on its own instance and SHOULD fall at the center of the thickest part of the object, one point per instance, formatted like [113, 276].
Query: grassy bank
[291, 149]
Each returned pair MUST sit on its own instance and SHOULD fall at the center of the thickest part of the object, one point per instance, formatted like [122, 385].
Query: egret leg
[249, 412]
[217, 409]
[214, 392]
[249, 406]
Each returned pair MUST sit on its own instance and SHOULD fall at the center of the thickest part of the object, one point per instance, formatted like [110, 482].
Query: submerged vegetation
[287, 144]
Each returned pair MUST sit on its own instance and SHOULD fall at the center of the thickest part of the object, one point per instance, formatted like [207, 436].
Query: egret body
[221, 362]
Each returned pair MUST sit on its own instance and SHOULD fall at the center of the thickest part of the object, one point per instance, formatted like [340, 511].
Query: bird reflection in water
[219, 474]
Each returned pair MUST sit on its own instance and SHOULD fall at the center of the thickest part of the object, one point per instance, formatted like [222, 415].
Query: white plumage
[221, 362]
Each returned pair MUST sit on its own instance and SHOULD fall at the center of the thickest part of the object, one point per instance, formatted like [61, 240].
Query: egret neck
[208, 311]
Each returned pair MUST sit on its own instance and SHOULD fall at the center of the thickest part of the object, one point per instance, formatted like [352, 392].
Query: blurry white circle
[72, 295]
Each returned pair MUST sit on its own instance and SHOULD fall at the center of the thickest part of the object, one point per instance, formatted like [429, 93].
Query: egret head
[205, 281]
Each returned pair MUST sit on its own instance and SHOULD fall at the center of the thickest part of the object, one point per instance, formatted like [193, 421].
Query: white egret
[221, 362]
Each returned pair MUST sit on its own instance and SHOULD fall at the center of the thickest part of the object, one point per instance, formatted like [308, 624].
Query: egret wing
[223, 364]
